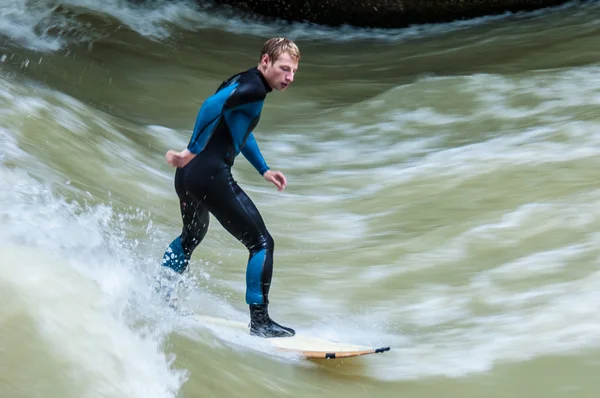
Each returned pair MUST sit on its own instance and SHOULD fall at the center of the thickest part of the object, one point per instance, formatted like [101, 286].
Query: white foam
[81, 322]
[76, 274]
[29, 24]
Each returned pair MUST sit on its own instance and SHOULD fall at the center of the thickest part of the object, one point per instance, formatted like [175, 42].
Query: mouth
[284, 85]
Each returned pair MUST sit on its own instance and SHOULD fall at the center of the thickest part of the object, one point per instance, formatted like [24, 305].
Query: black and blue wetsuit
[205, 185]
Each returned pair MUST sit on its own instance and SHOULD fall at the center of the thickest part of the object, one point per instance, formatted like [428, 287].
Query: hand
[277, 178]
[179, 159]
[173, 158]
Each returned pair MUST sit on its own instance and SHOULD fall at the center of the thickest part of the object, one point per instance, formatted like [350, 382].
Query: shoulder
[247, 88]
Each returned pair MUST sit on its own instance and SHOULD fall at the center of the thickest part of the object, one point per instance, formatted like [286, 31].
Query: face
[280, 74]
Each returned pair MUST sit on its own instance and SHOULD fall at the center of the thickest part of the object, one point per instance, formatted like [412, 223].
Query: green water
[443, 200]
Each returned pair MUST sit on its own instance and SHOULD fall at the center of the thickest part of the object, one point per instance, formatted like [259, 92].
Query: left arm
[241, 111]
[253, 154]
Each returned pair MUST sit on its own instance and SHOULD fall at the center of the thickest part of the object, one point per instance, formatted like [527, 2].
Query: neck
[261, 70]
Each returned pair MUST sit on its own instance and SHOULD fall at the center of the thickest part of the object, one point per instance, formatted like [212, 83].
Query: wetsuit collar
[263, 79]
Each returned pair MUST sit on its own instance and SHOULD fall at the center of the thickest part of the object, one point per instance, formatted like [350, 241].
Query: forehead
[286, 59]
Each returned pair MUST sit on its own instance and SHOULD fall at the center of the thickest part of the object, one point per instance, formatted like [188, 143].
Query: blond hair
[278, 46]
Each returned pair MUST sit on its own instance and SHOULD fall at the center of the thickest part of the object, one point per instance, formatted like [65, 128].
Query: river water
[443, 199]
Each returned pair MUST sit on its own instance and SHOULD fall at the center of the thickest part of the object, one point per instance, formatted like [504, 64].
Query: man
[204, 183]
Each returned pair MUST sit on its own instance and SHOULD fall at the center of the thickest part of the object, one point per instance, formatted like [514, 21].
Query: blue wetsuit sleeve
[252, 153]
[192, 147]
[205, 121]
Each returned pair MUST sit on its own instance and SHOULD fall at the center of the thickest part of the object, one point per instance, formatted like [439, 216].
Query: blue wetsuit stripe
[254, 278]
[208, 117]
[174, 256]
[192, 146]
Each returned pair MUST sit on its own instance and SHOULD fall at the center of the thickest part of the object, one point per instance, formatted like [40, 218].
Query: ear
[265, 61]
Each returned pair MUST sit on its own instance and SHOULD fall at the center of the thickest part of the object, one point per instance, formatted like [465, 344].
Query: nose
[290, 77]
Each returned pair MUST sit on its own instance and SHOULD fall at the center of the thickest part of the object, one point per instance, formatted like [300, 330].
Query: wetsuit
[223, 129]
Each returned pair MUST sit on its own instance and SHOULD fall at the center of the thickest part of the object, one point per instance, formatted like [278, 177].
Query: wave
[79, 292]
[51, 25]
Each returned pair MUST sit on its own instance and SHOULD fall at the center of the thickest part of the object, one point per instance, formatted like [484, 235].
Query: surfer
[204, 184]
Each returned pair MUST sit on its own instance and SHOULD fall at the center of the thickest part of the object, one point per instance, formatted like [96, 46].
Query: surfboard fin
[263, 326]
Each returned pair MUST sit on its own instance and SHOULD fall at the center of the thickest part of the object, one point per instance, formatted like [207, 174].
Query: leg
[236, 212]
[239, 216]
[195, 224]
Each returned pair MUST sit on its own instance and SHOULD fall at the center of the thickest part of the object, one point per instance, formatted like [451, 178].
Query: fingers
[172, 158]
[283, 179]
[273, 179]
[277, 183]
[169, 157]
[277, 178]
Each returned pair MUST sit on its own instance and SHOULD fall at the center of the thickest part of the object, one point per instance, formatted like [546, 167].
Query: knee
[262, 242]
[269, 242]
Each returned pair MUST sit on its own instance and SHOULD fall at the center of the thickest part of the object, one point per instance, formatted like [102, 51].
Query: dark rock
[384, 13]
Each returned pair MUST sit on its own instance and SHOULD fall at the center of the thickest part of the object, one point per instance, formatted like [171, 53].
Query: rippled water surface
[443, 200]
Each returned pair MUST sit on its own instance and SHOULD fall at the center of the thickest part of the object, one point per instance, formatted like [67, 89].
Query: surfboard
[304, 345]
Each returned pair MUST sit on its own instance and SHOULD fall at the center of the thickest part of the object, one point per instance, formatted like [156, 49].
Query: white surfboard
[302, 344]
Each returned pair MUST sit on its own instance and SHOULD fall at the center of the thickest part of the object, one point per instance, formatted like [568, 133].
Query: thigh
[235, 211]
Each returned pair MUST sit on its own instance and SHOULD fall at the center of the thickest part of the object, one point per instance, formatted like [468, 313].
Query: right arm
[179, 159]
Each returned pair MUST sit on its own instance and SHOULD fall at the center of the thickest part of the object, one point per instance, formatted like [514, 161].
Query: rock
[384, 13]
